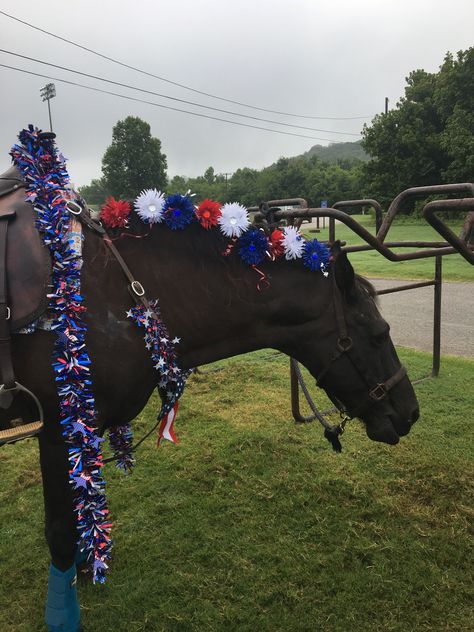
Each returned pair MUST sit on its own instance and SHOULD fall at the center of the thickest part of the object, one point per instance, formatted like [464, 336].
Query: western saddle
[25, 272]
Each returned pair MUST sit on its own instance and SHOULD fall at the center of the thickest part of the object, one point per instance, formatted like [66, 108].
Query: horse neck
[214, 303]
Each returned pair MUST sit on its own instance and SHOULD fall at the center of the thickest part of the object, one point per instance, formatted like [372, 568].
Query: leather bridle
[377, 391]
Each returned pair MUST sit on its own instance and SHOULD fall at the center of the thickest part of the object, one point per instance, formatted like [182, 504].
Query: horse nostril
[415, 414]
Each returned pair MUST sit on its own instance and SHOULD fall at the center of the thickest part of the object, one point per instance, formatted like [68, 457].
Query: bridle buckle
[137, 288]
[379, 392]
[73, 207]
[344, 344]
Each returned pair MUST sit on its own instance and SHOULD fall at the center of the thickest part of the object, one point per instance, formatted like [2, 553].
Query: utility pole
[47, 93]
[386, 105]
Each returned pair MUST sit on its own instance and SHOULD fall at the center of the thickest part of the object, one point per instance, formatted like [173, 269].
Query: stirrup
[23, 431]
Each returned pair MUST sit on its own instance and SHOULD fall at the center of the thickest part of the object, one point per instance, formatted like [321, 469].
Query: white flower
[234, 219]
[149, 205]
[293, 243]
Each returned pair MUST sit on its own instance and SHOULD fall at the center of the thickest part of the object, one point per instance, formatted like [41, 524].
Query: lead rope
[332, 432]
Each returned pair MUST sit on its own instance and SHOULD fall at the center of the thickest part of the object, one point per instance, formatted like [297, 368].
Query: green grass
[252, 523]
[372, 264]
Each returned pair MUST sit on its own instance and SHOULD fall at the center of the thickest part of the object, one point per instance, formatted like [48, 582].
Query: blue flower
[316, 255]
[178, 211]
[253, 245]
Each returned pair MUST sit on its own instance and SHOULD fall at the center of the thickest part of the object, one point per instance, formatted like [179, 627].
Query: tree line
[428, 138]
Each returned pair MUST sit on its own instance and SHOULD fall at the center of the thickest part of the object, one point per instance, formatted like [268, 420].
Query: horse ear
[343, 270]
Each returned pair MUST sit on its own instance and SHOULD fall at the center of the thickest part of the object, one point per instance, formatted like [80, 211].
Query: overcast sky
[327, 58]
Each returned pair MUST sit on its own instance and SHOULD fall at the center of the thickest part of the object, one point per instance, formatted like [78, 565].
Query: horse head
[355, 361]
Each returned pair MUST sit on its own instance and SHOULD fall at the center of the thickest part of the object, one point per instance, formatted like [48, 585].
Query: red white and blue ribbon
[166, 430]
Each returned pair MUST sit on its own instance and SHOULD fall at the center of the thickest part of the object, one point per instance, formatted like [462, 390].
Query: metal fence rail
[462, 244]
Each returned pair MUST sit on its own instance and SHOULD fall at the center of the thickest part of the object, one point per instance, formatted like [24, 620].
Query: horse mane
[135, 227]
[365, 287]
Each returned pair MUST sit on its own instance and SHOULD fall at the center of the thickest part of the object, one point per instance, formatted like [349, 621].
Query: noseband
[377, 391]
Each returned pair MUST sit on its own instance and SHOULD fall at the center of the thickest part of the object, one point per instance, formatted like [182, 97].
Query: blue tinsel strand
[121, 441]
[316, 255]
[172, 379]
[253, 245]
[45, 174]
[178, 211]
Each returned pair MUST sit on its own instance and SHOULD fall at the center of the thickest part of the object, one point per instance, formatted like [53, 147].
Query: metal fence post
[437, 316]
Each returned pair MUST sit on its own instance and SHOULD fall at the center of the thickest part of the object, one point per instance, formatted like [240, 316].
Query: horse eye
[382, 335]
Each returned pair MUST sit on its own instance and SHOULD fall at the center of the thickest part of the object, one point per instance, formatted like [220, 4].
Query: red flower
[208, 213]
[115, 213]
[276, 243]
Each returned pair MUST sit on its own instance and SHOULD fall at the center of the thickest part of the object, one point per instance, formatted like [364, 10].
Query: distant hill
[338, 151]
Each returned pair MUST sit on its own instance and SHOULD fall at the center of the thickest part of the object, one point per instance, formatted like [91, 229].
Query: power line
[181, 85]
[165, 96]
[165, 107]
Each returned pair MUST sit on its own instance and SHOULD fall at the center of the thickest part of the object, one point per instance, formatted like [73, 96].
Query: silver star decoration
[129, 314]
[176, 340]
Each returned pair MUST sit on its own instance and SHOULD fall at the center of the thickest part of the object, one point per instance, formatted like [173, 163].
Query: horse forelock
[365, 288]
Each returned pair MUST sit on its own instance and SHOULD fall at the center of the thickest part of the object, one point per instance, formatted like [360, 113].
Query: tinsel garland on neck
[46, 177]
[172, 377]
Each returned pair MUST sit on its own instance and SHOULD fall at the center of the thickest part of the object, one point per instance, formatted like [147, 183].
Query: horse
[218, 309]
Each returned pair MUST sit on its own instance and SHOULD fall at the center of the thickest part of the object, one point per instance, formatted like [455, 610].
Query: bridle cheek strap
[377, 392]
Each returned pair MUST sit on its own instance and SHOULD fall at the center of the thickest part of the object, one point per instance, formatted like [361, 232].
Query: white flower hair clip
[234, 219]
[293, 243]
[149, 206]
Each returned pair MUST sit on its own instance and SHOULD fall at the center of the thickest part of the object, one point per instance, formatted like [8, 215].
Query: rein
[135, 288]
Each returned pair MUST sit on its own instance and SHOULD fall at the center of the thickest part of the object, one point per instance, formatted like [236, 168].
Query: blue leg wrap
[62, 608]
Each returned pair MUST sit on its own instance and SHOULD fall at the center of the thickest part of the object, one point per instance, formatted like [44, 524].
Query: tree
[209, 175]
[428, 138]
[96, 192]
[134, 160]
[455, 100]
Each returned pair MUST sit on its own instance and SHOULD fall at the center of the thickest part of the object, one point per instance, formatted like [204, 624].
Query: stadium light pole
[47, 93]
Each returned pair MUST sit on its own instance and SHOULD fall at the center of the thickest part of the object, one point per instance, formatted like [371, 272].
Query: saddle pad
[28, 264]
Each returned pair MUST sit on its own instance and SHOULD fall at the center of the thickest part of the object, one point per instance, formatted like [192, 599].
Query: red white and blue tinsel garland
[46, 177]
[172, 377]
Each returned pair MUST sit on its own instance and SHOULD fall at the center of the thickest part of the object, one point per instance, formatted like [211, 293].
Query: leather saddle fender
[28, 263]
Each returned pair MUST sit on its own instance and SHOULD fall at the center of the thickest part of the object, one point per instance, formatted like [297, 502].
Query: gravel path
[410, 314]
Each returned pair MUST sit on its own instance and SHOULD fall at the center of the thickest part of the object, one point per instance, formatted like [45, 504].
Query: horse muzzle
[388, 427]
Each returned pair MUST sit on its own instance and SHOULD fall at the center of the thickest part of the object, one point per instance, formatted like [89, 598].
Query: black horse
[331, 325]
